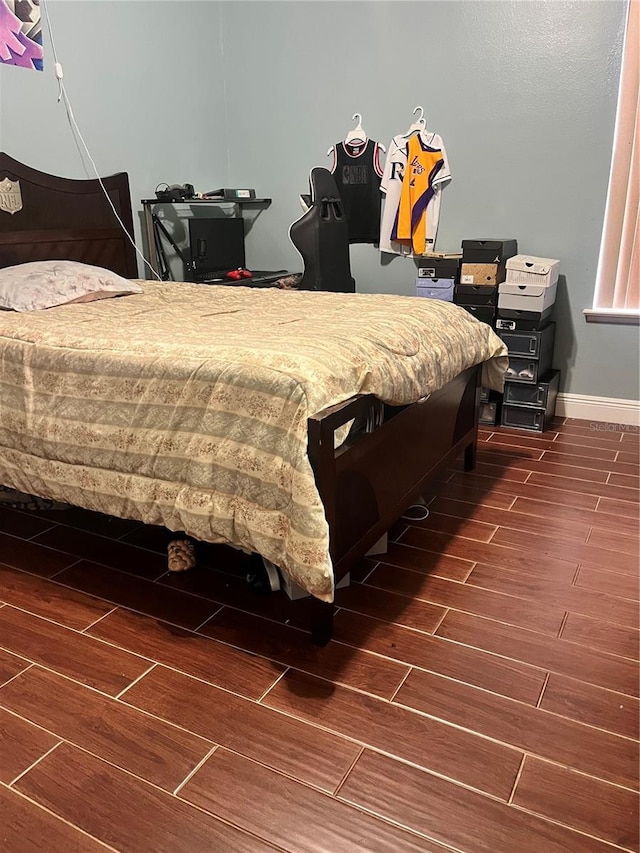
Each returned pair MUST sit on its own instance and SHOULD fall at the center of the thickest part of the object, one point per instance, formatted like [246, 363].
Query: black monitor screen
[217, 244]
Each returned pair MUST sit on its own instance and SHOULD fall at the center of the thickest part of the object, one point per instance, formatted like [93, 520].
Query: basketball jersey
[413, 177]
[357, 172]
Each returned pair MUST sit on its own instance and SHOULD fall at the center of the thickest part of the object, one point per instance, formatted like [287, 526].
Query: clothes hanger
[358, 133]
[419, 124]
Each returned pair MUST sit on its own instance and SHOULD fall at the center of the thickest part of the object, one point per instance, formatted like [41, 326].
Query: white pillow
[44, 284]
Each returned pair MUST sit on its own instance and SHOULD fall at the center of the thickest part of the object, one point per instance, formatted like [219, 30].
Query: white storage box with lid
[526, 297]
[524, 269]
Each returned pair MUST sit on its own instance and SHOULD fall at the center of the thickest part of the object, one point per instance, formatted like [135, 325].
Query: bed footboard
[384, 466]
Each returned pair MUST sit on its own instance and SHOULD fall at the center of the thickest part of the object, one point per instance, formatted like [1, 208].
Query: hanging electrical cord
[64, 97]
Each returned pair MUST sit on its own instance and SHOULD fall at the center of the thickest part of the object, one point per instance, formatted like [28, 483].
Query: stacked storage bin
[526, 301]
[483, 268]
[437, 277]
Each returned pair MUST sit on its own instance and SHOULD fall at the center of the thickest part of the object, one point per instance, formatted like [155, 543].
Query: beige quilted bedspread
[187, 405]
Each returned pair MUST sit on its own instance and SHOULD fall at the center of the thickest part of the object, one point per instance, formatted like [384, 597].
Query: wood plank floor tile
[591, 461]
[127, 813]
[291, 647]
[615, 540]
[603, 490]
[428, 562]
[458, 525]
[560, 593]
[93, 522]
[143, 745]
[462, 596]
[491, 672]
[24, 825]
[536, 543]
[595, 706]
[135, 593]
[498, 471]
[628, 456]
[76, 655]
[149, 536]
[555, 496]
[531, 730]
[513, 518]
[503, 454]
[11, 665]
[631, 436]
[298, 749]
[569, 516]
[105, 551]
[21, 743]
[22, 524]
[576, 443]
[228, 589]
[43, 598]
[619, 508]
[613, 583]
[453, 815]
[190, 653]
[546, 466]
[522, 440]
[578, 801]
[385, 604]
[590, 665]
[400, 732]
[507, 557]
[496, 496]
[260, 800]
[32, 557]
[605, 636]
[627, 480]
[581, 455]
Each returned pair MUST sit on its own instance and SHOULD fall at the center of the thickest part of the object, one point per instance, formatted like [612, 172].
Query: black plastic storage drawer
[524, 417]
[530, 344]
[538, 396]
[485, 313]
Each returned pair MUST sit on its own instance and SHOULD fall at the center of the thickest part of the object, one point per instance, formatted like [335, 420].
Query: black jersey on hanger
[357, 172]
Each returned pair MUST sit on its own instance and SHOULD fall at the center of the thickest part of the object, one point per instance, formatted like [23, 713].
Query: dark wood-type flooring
[480, 695]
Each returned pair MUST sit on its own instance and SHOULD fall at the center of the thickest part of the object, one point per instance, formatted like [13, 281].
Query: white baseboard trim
[602, 409]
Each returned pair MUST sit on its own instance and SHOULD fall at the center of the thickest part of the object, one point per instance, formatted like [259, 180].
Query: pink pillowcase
[46, 284]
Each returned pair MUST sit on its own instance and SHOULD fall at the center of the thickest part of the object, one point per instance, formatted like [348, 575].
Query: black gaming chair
[321, 236]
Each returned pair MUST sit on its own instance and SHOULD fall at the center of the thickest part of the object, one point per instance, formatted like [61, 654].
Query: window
[617, 295]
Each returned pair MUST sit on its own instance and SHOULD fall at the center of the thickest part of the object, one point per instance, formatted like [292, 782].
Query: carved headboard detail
[43, 217]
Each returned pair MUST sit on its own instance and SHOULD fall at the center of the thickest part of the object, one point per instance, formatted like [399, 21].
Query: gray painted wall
[522, 93]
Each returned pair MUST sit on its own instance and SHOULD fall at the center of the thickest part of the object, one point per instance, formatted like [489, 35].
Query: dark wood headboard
[56, 218]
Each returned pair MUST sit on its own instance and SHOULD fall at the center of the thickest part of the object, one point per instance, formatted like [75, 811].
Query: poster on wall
[21, 34]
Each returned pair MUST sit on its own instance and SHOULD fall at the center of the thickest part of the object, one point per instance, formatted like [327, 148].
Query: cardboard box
[475, 294]
[435, 288]
[535, 298]
[525, 269]
[488, 251]
[484, 313]
[510, 319]
[487, 275]
[439, 268]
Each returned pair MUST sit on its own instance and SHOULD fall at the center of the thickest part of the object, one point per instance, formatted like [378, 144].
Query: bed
[332, 411]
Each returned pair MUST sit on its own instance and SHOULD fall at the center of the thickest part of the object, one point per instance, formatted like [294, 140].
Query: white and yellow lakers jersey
[415, 171]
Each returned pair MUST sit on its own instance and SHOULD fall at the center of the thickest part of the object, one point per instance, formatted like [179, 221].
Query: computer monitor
[217, 245]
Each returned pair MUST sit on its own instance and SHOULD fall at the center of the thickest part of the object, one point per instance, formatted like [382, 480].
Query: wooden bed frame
[370, 480]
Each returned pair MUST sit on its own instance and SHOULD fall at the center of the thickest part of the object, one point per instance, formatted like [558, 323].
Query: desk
[148, 205]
